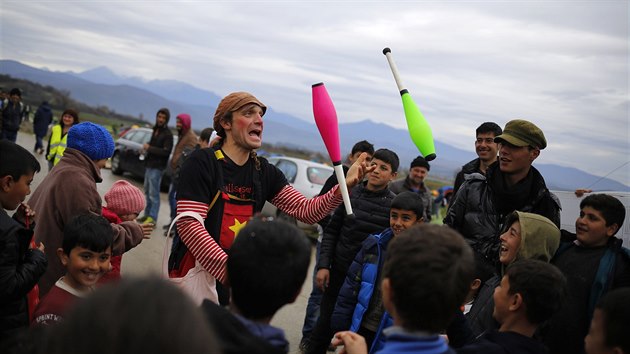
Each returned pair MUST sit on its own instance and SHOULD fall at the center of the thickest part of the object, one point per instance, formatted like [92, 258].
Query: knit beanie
[420, 162]
[92, 140]
[124, 198]
[231, 103]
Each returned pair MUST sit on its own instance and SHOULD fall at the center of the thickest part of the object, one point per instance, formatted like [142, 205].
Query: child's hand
[40, 247]
[26, 210]
[322, 278]
[146, 230]
[352, 343]
[359, 169]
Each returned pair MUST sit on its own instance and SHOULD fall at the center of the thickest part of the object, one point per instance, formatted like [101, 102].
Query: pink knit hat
[124, 198]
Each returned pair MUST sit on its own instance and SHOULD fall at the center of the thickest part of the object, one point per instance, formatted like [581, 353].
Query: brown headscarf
[231, 103]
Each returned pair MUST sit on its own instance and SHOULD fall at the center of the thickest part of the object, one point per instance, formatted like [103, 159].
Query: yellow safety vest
[57, 144]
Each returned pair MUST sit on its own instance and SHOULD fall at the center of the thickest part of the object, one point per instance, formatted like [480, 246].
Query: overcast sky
[561, 64]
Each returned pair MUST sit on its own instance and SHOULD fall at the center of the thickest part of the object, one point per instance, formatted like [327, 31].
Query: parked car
[128, 158]
[307, 177]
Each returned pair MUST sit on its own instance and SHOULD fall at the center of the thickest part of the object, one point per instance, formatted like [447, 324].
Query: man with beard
[485, 148]
[418, 171]
[156, 153]
[512, 184]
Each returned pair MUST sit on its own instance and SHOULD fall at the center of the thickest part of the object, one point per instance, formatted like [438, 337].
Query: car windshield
[317, 175]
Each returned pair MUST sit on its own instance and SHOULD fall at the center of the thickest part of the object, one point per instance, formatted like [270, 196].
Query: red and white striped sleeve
[306, 210]
[199, 242]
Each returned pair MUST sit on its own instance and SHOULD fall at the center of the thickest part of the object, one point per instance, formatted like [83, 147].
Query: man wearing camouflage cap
[511, 183]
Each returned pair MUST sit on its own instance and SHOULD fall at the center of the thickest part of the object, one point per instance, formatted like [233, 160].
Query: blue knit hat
[92, 140]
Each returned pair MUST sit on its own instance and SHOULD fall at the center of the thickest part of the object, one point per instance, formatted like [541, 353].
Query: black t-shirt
[199, 181]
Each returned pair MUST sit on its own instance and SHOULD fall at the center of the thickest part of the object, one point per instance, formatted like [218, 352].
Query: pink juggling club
[326, 120]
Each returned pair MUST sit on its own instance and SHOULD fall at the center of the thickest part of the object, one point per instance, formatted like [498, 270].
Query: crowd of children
[391, 282]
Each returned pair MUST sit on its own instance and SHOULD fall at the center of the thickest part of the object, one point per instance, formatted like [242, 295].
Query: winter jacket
[233, 335]
[470, 167]
[591, 272]
[482, 203]
[160, 147]
[540, 239]
[344, 235]
[12, 116]
[358, 288]
[403, 185]
[116, 261]
[504, 343]
[68, 190]
[20, 269]
[400, 341]
[43, 118]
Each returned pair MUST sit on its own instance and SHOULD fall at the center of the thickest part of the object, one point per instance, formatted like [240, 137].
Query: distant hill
[141, 99]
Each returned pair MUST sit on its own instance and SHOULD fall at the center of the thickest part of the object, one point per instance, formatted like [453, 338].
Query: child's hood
[540, 237]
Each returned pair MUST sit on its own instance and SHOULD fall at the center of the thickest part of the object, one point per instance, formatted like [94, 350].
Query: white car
[307, 177]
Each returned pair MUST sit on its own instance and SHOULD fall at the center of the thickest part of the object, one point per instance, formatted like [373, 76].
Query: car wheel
[116, 164]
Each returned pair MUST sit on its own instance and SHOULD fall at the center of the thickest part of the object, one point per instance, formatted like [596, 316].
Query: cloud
[562, 64]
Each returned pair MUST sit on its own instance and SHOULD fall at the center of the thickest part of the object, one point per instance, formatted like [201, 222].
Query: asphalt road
[146, 258]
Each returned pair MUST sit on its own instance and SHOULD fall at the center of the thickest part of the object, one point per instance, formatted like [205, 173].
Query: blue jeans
[152, 180]
[39, 144]
[172, 201]
[314, 299]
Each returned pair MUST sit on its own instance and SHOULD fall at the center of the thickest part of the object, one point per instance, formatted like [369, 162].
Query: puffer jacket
[344, 235]
[20, 269]
[474, 213]
[358, 288]
[540, 240]
[470, 167]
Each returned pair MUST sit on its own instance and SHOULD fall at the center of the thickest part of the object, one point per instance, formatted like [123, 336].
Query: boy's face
[14, 192]
[381, 176]
[502, 300]
[510, 243]
[595, 341]
[84, 267]
[400, 220]
[591, 229]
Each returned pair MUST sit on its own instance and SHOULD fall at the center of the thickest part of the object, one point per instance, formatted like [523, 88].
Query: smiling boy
[359, 306]
[594, 263]
[344, 235]
[85, 253]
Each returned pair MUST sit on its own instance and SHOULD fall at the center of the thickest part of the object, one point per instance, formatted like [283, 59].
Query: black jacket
[470, 167]
[12, 116]
[20, 269]
[479, 209]
[43, 118]
[503, 343]
[160, 147]
[233, 336]
[344, 235]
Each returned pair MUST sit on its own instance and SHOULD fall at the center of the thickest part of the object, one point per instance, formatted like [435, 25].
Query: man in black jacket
[512, 183]
[156, 153]
[12, 112]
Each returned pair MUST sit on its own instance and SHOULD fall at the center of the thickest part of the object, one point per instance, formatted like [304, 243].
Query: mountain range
[142, 98]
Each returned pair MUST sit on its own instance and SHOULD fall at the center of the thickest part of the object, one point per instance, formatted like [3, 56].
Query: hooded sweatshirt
[187, 139]
[540, 239]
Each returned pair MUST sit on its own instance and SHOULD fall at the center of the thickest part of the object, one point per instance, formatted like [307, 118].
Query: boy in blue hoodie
[359, 306]
[426, 276]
